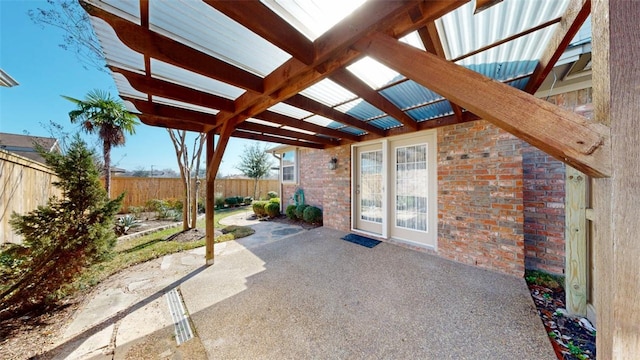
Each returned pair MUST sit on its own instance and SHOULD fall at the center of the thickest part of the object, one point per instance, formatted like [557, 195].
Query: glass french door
[369, 189]
[410, 211]
[395, 188]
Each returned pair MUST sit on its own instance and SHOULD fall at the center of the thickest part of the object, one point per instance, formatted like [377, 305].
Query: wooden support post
[210, 201]
[616, 80]
[575, 242]
[214, 158]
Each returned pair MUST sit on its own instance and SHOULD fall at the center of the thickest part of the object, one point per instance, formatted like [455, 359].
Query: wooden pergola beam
[276, 139]
[270, 26]
[154, 120]
[484, 5]
[315, 107]
[157, 87]
[430, 124]
[560, 133]
[304, 125]
[353, 83]
[333, 52]
[577, 12]
[172, 112]
[165, 49]
[431, 40]
[270, 130]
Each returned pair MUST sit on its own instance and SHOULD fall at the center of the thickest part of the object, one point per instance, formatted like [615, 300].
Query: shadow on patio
[313, 295]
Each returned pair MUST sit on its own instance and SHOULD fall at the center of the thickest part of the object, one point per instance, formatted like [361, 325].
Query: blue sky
[32, 56]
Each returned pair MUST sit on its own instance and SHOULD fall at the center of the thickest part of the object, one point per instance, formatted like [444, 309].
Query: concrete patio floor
[314, 296]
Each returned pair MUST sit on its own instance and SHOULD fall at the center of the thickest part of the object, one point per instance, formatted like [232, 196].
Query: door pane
[411, 187]
[371, 186]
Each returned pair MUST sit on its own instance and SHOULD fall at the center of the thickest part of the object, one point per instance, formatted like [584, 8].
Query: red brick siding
[327, 189]
[544, 195]
[480, 197]
[337, 193]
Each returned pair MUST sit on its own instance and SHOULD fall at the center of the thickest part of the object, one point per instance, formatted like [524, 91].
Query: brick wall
[544, 195]
[327, 189]
[480, 197]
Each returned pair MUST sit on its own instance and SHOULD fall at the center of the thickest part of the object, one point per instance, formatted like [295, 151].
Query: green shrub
[312, 215]
[136, 211]
[247, 200]
[219, 202]
[291, 212]
[300, 211]
[259, 208]
[272, 209]
[61, 238]
[175, 204]
[272, 194]
[275, 200]
[231, 201]
[155, 205]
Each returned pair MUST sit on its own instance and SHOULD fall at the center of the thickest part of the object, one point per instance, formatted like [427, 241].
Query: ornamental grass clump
[60, 239]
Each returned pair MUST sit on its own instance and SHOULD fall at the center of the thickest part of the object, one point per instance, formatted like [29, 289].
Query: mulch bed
[571, 338]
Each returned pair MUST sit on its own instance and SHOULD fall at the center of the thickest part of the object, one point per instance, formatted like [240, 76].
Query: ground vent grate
[180, 317]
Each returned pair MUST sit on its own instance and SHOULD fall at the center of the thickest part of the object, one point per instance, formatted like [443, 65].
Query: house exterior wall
[330, 190]
[544, 195]
[480, 197]
[500, 200]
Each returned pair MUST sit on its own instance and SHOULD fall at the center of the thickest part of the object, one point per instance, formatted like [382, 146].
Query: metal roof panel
[174, 74]
[360, 109]
[328, 92]
[204, 28]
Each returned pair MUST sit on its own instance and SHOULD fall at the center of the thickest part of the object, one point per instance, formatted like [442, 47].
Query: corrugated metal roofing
[373, 73]
[291, 111]
[204, 28]
[435, 110]
[171, 73]
[409, 94]
[328, 93]
[360, 109]
[462, 31]
[201, 27]
[385, 122]
[184, 105]
[126, 89]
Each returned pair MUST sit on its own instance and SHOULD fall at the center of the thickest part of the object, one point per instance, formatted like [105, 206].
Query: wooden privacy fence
[139, 190]
[24, 185]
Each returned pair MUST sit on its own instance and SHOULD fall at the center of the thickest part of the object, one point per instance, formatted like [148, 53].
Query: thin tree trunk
[106, 152]
[196, 158]
[255, 188]
[194, 204]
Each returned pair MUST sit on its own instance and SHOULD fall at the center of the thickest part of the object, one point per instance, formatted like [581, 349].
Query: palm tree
[108, 117]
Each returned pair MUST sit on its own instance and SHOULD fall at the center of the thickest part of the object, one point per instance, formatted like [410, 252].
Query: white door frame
[428, 136]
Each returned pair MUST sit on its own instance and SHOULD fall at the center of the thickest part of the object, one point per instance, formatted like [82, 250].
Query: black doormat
[361, 240]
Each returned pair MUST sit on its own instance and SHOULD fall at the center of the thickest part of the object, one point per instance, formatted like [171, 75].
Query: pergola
[304, 74]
